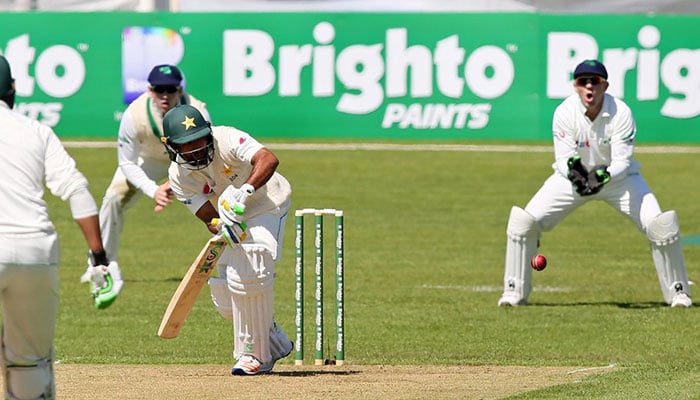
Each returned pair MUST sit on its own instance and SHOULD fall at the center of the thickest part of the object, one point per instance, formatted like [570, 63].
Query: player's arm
[207, 213]
[232, 202]
[245, 148]
[233, 232]
[622, 144]
[264, 166]
[64, 180]
[564, 141]
[128, 152]
[184, 188]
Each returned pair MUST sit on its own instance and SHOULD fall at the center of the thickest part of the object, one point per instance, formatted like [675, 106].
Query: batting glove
[232, 203]
[234, 233]
[105, 277]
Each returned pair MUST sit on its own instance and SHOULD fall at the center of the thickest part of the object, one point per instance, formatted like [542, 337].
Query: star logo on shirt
[188, 122]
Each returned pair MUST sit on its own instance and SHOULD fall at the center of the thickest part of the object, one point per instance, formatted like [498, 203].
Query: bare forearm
[91, 230]
[264, 166]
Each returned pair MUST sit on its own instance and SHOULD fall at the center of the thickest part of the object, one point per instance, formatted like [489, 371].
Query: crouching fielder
[594, 135]
[224, 173]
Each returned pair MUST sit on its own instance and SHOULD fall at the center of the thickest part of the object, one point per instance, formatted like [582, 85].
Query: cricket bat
[186, 294]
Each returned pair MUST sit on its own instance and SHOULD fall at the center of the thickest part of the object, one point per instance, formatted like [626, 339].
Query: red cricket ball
[538, 262]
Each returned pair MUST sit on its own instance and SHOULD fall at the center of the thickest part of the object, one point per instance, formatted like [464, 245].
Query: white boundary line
[419, 147]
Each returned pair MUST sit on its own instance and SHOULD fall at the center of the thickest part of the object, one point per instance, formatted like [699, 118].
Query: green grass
[425, 242]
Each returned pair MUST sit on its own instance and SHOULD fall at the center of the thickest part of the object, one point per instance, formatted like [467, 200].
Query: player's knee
[664, 228]
[25, 382]
[252, 272]
[221, 297]
[521, 223]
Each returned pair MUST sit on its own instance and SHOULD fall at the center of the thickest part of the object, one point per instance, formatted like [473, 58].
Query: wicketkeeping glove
[587, 183]
[578, 175]
[232, 203]
[597, 178]
[105, 278]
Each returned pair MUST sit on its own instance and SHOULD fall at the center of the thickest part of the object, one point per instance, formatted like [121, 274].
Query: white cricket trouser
[29, 295]
[119, 197]
[630, 196]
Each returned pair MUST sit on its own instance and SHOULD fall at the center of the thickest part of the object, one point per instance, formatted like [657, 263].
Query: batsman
[224, 173]
[594, 135]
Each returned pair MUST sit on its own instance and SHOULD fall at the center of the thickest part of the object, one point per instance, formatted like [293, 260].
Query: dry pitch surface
[204, 382]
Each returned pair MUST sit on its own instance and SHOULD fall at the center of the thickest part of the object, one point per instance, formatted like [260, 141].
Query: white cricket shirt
[608, 140]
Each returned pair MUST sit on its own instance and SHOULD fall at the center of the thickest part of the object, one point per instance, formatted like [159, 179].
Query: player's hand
[597, 178]
[163, 196]
[232, 203]
[105, 278]
[234, 234]
[578, 175]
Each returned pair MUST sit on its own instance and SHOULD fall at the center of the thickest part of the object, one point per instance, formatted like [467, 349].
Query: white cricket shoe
[681, 300]
[248, 365]
[511, 299]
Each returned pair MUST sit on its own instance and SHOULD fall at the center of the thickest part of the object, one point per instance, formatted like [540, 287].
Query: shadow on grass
[638, 305]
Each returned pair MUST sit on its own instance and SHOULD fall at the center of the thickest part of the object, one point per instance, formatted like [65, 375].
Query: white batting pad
[522, 236]
[252, 319]
[221, 297]
[250, 279]
[664, 234]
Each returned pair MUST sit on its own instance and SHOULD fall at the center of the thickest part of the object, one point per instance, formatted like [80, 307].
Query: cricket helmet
[184, 124]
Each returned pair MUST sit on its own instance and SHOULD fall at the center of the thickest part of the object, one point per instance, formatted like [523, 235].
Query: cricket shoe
[681, 300]
[511, 299]
[267, 367]
[249, 365]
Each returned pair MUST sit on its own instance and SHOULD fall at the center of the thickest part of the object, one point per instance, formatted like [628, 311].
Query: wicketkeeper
[594, 135]
[222, 172]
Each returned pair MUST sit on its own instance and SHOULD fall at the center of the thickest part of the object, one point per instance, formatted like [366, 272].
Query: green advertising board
[428, 76]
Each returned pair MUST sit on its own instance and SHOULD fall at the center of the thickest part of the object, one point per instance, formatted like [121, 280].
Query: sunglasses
[593, 80]
[165, 89]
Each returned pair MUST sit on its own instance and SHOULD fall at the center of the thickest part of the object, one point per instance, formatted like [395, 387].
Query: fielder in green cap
[143, 162]
[223, 174]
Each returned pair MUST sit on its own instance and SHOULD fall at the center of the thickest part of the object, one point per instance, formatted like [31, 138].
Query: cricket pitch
[155, 382]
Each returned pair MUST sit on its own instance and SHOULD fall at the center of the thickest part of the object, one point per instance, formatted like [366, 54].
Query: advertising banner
[405, 76]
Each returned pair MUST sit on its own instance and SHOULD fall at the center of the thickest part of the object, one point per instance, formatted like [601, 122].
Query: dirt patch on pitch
[203, 382]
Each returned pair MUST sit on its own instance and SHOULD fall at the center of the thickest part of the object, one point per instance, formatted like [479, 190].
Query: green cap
[6, 82]
[184, 124]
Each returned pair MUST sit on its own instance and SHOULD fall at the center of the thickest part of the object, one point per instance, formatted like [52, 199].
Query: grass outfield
[424, 242]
